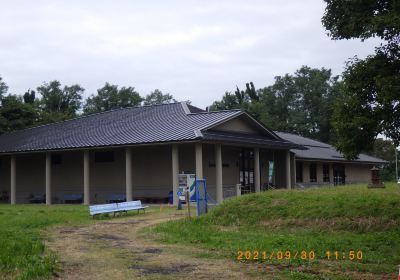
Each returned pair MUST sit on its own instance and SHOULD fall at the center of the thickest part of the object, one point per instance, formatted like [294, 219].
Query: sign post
[187, 195]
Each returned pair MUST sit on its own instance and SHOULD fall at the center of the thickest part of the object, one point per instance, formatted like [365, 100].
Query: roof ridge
[220, 111]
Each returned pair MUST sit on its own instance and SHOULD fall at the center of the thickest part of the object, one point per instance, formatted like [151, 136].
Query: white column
[175, 171]
[218, 173]
[257, 175]
[13, 180]
[48, 178]
[199, 161]
[128, 173]
[86, 178]
[288, 172]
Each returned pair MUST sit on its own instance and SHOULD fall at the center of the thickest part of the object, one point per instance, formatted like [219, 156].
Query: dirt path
[115, 249]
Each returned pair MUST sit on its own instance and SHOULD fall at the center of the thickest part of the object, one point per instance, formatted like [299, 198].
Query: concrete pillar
[294, 170]
[218, 173]
[13, 181]
[288, 171]
[128, 174]
[48, 178]
[257, 175]
[199, 161]
[86, 178]
[175, 172]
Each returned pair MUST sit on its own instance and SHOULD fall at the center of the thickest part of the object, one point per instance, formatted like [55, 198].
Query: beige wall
[280, 162]
[230, 169]
[151, 175]
[33, 180]
[236, 125]
[358, 173]
[355, 173]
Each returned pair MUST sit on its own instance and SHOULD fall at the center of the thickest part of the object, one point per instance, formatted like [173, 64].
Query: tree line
[300, 103]
[52, 102]
[306, 103]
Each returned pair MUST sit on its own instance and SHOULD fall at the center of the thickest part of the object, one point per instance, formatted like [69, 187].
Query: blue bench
[132, 205]
[116, 207]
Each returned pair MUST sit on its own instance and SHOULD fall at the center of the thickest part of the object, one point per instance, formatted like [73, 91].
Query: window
[299, 172]
[313, 172]
[56, 159]
[326, 173]
[104, 156]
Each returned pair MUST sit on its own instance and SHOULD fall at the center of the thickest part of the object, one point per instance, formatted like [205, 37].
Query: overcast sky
[195, 50]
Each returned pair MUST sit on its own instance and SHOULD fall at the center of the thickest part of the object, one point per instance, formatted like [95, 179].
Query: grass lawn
[22, 252]
[343, 219]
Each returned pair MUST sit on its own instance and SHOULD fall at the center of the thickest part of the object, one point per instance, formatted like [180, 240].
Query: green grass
[22, 252]
[338, 218]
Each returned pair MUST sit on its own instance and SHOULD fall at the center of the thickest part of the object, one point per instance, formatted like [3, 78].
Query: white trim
[198, 133]
[185, 108]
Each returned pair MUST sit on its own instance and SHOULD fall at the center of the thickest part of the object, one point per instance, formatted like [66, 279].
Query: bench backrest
[103, 208]
[115, 207]
[130, 205]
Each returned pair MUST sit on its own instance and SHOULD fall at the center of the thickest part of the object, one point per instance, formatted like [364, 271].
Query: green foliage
[3, 87]
[338, 218]
[362, 19]
[156, 97]
[22, 252]
[15, 114]
[29, 97]
[109, 97]
[385, 149]
[301, 103]
[58, 104]
[238, 100]
[370, 104]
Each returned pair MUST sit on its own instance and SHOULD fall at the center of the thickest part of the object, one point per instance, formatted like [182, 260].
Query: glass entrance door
[246, 167]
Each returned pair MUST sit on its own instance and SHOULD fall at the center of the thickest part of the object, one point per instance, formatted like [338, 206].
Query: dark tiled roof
[130, 126]
[194, 109]
[321, 151]
[242, 138]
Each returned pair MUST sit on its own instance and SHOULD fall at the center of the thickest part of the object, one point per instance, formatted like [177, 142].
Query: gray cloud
[192, 49]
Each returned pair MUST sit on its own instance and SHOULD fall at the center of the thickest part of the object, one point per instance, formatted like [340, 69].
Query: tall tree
[385, 149]
[29, 96]
[59, 103]
[240, 99]
[15, 114]
[228, 102]
[109, 97]
[3, 87]
[370, 104]
[157, 97]
[300, 103]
